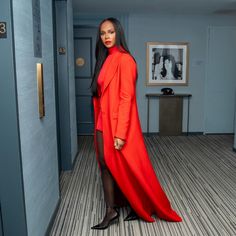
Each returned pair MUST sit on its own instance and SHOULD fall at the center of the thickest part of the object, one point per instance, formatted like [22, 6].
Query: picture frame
[167, 63]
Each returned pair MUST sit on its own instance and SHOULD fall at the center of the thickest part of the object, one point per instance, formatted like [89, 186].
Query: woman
[170, 68]
[179, 66]
[120, 149]
[158, 68]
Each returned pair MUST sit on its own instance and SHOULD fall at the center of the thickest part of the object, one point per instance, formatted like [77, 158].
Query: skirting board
[76, 155]
[53, 218]
[218, 133]
[183, 133]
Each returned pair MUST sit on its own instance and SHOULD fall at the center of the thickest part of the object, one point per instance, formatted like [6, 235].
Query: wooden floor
[198, 173]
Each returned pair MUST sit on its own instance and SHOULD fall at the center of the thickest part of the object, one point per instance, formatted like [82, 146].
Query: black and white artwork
[167, 63]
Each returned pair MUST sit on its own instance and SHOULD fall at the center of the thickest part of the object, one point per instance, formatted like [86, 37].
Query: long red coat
[131, 166]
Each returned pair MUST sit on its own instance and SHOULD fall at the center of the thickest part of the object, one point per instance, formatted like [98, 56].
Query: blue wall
[176, 28]
[71, 78]
[94, 20]
[143, 28]
[235, 123]
[38, 136]
[66, 84]
[1, 229]
[220, 80]
[12, 204]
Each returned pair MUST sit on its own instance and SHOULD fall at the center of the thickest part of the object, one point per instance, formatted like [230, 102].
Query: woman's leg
[107, 179]
[108, 186]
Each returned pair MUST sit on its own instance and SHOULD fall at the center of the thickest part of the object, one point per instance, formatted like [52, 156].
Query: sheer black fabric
[107, 182]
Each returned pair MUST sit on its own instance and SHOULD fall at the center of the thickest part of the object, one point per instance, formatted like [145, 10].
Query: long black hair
[174, 68]
[101, 51]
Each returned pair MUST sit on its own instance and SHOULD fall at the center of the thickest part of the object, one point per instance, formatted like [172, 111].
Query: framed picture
[167, 63]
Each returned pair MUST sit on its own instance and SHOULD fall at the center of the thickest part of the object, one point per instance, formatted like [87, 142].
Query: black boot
[131, 216]
[111, 215]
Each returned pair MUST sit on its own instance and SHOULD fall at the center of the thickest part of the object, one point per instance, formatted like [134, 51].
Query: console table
[159, 95]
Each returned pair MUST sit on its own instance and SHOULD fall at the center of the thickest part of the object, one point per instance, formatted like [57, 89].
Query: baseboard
[85, 134]
[192, 133]
[49, 228]
[150, 133]
[183, 133]
[219, 133]
[73, 163]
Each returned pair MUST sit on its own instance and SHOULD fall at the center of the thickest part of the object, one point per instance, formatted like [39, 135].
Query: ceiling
[226, 7]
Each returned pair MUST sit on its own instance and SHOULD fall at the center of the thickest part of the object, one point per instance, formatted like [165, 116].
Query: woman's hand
[118, 143]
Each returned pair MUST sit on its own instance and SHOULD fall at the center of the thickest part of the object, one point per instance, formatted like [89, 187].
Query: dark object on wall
[37, 35]
[62, 51]
[3, 30]
[167, 91]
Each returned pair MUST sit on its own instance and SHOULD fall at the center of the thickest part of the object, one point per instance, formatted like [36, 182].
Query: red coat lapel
[109, 74]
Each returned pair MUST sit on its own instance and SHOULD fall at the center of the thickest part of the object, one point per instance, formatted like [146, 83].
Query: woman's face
[168, 63]
[108, 34]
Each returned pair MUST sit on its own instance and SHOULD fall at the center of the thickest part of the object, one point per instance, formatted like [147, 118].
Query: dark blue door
[84, 46]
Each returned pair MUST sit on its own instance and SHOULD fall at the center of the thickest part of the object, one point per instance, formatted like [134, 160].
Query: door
[84, 46]
[220, 81]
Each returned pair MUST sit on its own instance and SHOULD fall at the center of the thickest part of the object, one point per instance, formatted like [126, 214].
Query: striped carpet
[198, 173]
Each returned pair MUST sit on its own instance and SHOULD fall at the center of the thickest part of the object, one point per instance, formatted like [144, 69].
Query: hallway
[47, 62]
[197, 172]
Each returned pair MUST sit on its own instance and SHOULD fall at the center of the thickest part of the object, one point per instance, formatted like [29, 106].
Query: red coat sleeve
[128, 75]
